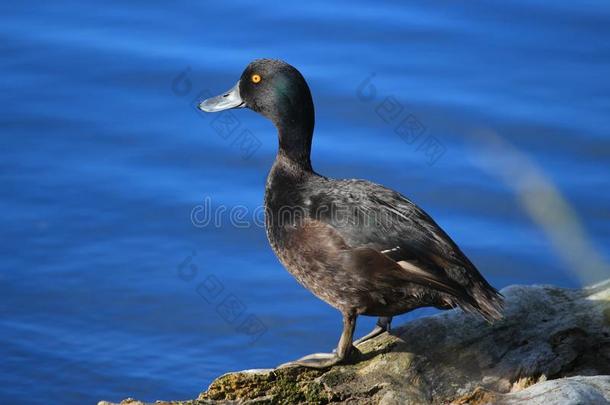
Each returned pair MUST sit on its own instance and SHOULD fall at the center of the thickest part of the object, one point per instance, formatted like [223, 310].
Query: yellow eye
[256, 78]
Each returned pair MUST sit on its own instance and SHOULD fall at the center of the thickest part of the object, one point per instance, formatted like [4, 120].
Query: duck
[361, 247]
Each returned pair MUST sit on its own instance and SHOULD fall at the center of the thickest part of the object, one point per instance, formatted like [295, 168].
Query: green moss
[337, 377]
[239, 385]
[297, 384]
[290, 385]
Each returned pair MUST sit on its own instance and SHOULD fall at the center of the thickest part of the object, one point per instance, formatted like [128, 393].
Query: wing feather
[369, 215]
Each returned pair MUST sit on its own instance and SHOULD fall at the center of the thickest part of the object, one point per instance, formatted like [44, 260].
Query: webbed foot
[316, 360]
[325, 360]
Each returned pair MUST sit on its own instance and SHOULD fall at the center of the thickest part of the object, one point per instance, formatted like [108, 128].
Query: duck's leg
[324, 360]
[383, 325]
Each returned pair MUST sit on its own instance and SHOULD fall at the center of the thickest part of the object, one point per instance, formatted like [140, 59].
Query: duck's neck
[294, 120]
[295, 146]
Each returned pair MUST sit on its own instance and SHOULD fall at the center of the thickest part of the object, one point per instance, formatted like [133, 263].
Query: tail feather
[485, 301]
[473, 294]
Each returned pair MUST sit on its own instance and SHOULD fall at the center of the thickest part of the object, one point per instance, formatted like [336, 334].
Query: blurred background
[492, 116]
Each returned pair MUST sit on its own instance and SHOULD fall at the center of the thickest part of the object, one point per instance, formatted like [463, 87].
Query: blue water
[108, 288]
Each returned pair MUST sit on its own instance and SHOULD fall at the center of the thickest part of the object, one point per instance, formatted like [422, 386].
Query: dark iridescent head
[278, 91]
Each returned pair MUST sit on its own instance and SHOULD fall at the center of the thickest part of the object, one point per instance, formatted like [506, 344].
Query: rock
[571, 390]
[552, 347]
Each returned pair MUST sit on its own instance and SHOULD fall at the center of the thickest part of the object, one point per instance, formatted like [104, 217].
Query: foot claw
[375, 332]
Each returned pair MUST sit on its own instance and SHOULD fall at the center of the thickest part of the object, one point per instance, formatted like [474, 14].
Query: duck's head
[278, 91]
